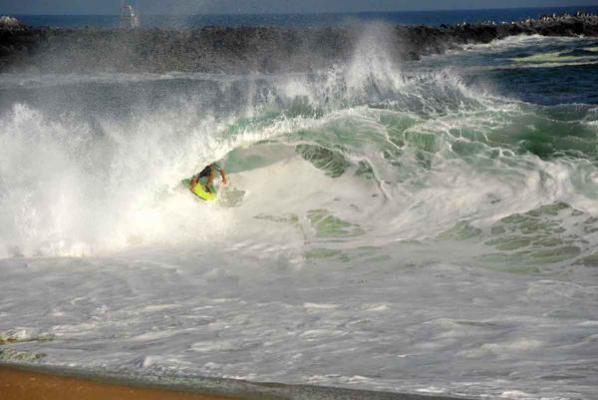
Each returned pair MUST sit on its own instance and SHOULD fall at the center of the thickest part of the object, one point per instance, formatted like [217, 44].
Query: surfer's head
[208, 171]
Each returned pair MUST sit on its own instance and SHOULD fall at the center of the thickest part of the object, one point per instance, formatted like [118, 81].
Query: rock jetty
[7, 22]
[245, 49]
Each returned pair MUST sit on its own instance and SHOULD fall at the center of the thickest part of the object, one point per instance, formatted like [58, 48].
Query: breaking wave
[356, 154]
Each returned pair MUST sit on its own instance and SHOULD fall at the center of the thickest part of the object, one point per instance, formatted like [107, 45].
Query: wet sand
[22, 384]
[36, 382]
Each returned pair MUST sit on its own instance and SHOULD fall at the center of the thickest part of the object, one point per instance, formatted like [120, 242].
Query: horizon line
[580, 7]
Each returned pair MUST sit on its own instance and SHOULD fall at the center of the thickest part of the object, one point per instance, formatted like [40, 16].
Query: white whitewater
[391, 235]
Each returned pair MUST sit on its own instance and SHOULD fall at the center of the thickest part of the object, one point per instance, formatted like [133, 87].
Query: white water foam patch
[173, 208]
[273, 219]
[68, 191]
[40, 186]
[515, 42]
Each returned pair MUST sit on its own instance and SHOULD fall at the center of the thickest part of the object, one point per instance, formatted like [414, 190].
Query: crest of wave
[372, 73]
[374, 68]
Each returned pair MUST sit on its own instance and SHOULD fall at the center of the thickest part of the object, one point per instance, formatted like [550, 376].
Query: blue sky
[263, 6]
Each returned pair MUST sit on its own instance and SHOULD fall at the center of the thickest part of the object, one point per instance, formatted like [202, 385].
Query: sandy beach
[22, 384]
[33, 382]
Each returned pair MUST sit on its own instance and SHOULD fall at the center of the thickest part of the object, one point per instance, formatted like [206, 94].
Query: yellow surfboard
[200, 191]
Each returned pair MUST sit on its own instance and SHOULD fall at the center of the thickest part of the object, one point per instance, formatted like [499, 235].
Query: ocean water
[433, 18]
[424, 227]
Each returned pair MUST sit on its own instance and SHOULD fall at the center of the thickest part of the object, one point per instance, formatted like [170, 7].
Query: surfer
[206, 178]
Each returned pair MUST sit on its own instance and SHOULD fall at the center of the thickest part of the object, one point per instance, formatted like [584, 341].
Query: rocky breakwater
[247, 49]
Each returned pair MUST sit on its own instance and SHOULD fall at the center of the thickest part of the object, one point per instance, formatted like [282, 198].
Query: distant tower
[128, 18]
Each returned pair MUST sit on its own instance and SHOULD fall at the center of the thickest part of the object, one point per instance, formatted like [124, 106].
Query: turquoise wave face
[444, 160]
[527, 156]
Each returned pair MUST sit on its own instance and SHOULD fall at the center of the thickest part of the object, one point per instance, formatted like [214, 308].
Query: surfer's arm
[224, 178]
